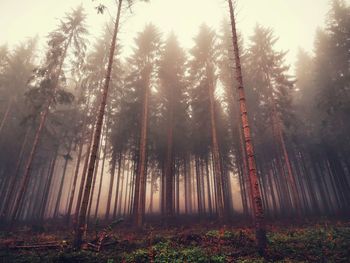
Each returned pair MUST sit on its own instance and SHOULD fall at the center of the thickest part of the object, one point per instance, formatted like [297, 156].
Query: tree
[173, 113]
[70, 32]
[203, 74]
[255, 192]
[274, 87]
[146, 55]
[97, 134]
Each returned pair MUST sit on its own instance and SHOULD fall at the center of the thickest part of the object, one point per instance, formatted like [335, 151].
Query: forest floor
[324, 241]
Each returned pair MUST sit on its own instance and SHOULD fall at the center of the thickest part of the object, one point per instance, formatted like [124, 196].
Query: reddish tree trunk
[117, 187]
[142, 166]
[58, 201]
[110, 191]
[96, 141]
[169, 202]
[258, 208]
[102, 170]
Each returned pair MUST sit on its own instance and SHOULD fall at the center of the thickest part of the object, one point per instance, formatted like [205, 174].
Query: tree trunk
[43, 116]
[117, 187]
[48, 185]
[127, 188]
[215, 149]
[110, 191]
[199, 190]
[92, 192]
[11, 190]
[119, 211]
[169, 167]
[102, 170]
[83, 178]
[58, 201]
[142, 164]
[208, 186]
[96, 141]
[258, 208]
[77, 167]
[6, 115]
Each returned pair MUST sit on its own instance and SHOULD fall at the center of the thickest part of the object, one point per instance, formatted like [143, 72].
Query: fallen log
[40, 246]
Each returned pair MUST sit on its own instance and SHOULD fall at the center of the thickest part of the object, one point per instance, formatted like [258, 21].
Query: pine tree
[70, 32]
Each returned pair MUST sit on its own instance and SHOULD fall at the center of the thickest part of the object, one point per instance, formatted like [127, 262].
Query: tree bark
[96, 141]
[6, 115]
[110, 191]
[102, 170]
[215, 148]
[77, 167]
[169, 168]
[142, 164]
[58, 201]
[258, 208]
[48, 185]
[11, 191]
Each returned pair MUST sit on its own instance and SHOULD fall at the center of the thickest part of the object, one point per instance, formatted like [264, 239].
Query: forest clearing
[130, 135]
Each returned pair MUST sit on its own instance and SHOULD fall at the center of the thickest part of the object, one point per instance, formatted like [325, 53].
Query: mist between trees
[171, 142]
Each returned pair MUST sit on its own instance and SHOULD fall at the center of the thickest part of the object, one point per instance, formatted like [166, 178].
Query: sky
[293, 21]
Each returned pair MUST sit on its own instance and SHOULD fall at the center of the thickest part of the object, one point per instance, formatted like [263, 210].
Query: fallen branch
[51, 244]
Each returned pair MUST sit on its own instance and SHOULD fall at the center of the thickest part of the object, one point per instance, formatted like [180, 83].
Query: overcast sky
[294, 21]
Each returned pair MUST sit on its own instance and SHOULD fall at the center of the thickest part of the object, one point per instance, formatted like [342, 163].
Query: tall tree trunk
[117, 187]
[169, 164]
[6, 115]
[186, 185]
[199, 190]
[142, 164]
[96, 141]
[58, 201]
[48, 184]
[93, 185]
[215, 148]
[83, 178]
[11, 190]
[119, 211]
[258, 208]
[102, 170]
[208, 186]
[77, 166]
[291, 177]
[127, 189]
[110, 191]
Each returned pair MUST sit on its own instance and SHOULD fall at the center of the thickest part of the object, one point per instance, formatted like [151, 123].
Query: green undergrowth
[308, 244]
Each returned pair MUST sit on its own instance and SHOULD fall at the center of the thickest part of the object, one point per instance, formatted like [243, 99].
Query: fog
[294, 22]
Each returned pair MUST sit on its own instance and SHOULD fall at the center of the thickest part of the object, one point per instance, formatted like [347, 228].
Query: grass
[313, 243]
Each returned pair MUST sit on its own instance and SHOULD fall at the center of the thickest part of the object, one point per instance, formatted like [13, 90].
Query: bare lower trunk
[96, 141]
[102, 170]
[117, 187]
[215, 149]
[25, 180]
[48, 185]
[58, 201]
[110, 191]
[142, 166]
[6, 115]
[11, 191]
[77, 167]
[169, 167]
[257, 202]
